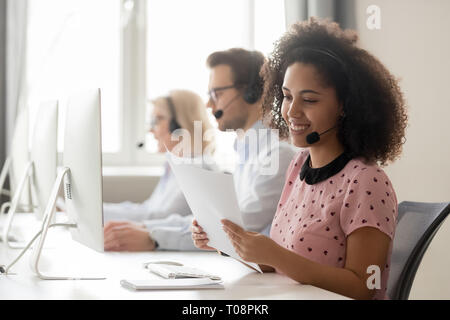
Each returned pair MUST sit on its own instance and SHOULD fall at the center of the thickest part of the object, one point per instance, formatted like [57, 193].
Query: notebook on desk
[169, 271]
[172, 284]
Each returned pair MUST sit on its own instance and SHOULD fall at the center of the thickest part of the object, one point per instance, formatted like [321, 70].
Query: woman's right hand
[199, 237]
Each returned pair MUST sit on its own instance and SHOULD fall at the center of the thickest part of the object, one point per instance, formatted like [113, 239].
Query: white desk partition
[64, 254]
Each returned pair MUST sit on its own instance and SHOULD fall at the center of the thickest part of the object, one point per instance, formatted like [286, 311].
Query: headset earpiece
[173, 125]
[253, 91]
[252, 94]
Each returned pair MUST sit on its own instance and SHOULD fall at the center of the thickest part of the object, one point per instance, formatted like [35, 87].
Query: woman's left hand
[251, 246]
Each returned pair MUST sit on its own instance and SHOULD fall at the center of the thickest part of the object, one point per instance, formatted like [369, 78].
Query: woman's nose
[295, 109]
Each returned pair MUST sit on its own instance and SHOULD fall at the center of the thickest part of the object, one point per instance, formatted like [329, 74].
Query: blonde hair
[189, 107]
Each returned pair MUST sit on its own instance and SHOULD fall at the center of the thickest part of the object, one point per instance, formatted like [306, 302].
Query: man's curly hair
[375, 118]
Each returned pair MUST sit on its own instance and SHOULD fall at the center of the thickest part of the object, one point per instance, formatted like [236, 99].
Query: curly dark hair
[375, 111]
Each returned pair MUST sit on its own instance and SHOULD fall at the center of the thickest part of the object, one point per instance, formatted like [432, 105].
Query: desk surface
[62, 256]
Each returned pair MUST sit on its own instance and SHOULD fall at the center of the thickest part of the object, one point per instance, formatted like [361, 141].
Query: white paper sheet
[212, 197]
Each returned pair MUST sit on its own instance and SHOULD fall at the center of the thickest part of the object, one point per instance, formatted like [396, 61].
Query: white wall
[414, 43]
[432, 280]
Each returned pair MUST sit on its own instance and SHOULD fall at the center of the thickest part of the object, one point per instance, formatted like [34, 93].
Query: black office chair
[417, 224]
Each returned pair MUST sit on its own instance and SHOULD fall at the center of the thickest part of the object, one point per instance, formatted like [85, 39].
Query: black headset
[340, 62]
[173, 125]
[254, 88]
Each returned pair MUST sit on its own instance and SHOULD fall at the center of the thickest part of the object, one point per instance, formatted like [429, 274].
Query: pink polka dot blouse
[314, 220]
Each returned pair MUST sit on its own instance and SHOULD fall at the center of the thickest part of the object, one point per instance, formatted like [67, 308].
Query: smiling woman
[319, 109]
[336, 219]
[373, 117]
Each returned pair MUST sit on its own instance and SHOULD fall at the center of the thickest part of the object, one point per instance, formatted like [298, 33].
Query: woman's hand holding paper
[251, 246]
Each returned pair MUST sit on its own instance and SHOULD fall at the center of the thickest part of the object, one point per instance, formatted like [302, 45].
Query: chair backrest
[417, 224]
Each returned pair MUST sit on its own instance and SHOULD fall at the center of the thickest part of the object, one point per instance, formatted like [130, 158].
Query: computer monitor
[17, 161]
[83, 156]
[44, 155]
[40, 171]
[82, 178]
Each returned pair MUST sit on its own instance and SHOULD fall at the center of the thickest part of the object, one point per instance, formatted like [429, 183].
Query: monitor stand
[3, 175]
[13, 206]
[48, 217]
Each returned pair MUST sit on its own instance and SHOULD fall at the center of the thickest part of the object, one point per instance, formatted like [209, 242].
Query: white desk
[66, 257]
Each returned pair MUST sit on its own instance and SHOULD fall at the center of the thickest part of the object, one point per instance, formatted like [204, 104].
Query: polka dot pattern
[315, 220]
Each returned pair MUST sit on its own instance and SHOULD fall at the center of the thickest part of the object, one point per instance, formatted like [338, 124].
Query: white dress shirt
[166, 199]
[258, 193]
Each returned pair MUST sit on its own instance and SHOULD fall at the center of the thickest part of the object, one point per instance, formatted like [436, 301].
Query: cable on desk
[4, 269]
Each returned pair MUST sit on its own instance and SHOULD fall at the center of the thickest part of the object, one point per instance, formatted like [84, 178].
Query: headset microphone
[315, 136]
[219, 113]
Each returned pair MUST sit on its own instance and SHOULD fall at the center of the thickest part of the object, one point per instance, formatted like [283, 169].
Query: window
[181, 35]
[136, 50]
[73, 45]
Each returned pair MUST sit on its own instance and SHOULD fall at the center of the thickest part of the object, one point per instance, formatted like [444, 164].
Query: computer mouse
[173, 263]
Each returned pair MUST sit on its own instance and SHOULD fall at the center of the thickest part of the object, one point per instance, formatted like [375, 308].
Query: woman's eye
[309, 101]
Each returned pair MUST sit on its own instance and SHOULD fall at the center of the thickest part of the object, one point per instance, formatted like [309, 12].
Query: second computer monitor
[20, 157]
[44, 154]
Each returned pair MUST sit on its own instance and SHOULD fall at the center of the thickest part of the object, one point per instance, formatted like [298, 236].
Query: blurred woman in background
[159, 222]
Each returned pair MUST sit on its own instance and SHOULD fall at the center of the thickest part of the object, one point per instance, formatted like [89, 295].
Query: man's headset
[253, 88]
